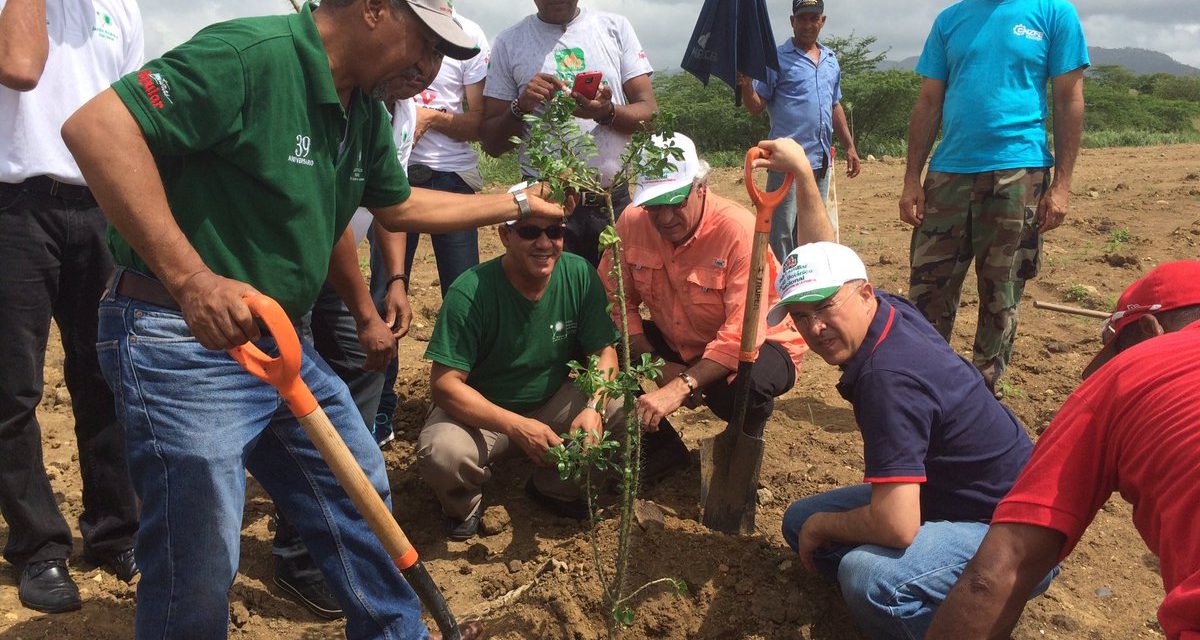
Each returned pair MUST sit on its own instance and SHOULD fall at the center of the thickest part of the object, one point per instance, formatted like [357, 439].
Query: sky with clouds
[664, 26]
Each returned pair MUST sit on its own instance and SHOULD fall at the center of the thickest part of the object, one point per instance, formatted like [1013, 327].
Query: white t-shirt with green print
[593, 41]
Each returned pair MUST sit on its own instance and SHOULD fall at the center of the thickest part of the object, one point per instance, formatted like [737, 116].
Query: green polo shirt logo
[303, 148]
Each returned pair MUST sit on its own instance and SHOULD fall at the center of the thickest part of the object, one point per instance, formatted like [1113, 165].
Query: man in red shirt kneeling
[1133, 426]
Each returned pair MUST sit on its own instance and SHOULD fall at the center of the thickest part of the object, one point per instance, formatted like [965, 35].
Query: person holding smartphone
[543, 54]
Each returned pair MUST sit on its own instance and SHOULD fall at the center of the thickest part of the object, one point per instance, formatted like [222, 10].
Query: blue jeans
[195, 421]
[456, 251]
[783, 221]
[381, 424]
[892, 593]
[335, 335]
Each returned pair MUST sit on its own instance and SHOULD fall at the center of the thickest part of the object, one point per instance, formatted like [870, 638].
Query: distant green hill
[1139, 61]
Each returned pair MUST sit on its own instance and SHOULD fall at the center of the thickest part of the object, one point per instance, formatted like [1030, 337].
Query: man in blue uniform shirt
[804, 102]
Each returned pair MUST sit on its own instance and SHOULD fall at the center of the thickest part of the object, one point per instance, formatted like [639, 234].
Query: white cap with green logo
[812, 273]
[674, 187]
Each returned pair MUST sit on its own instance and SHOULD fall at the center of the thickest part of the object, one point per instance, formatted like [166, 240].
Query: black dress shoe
[465, 529]
[124, 565]
[312, 592]
[47, 586]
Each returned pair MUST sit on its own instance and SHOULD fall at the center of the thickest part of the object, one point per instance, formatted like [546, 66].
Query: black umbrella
[731, 36]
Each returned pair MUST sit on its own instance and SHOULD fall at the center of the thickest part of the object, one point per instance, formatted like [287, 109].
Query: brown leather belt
[139, 287]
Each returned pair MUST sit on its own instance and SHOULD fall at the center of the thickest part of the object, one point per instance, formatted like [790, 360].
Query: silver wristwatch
[522, 205]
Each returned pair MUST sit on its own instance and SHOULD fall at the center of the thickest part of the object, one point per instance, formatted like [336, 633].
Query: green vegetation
[1089, 297]
[1077, 293]
[1116, 238]
[559, 151]
[1009, 390]
[1123, 109]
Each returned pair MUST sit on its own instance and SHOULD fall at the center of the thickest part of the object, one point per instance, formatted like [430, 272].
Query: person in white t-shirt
[439, 124]
[54, 57]
[449, 113]
[541, 55]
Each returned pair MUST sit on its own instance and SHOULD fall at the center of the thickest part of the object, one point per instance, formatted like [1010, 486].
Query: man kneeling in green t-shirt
[500, 348]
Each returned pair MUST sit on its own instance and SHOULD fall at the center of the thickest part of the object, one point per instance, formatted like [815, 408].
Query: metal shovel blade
[729, 468]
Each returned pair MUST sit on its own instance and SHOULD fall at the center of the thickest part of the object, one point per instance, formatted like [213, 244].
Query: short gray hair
[702, 171]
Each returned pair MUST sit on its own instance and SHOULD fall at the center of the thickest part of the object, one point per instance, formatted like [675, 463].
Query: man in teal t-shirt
[227, 167]
[500, 386]
[988, 196]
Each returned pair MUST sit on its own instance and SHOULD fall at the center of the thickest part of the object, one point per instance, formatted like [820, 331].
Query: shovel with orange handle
[283, 373]
[730, 461]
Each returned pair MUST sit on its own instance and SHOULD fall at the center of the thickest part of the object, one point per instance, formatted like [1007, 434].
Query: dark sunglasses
[530, 232]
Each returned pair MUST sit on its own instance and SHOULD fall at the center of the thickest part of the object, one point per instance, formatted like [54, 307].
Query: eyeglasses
[824, 311]
[531, 232]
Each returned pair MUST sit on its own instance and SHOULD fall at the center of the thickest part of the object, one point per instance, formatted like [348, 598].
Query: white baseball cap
[674, 187]
[812, 273]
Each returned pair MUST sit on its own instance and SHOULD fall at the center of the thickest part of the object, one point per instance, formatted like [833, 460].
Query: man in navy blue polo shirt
[940, 451]
[803, 100]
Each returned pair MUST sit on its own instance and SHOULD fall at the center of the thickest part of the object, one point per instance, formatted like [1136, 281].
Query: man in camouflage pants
[988, 195]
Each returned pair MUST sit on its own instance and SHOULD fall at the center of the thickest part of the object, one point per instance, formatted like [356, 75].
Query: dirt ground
[1130, 210]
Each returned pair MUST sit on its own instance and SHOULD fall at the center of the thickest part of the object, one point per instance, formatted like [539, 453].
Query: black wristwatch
[399, 276]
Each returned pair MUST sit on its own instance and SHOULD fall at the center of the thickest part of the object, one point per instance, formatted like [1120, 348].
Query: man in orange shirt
[687, 258]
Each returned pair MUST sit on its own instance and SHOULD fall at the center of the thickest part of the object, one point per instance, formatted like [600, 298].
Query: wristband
[515, 110]
[591, 405]
[399, 276]
[689, 381]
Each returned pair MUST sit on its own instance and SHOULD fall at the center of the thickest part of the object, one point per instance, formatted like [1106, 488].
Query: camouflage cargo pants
[990, 218]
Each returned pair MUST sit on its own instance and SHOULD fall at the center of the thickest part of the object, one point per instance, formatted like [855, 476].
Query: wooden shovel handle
[283, 373]
[764, 204]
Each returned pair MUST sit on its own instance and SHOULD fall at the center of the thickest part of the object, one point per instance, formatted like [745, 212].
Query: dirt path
[1131, 209]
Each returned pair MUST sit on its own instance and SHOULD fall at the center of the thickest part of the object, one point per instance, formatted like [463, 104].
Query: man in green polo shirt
[500, 348]
[227, 167]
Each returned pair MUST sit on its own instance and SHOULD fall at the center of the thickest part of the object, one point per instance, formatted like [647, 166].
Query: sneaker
[573, 509]
[465, 529]
[307, 588]
[382, 430]
[124, 564]
[47, 586]
[663, 453]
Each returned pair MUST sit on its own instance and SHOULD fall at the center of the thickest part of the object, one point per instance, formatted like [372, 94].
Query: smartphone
[587, 84]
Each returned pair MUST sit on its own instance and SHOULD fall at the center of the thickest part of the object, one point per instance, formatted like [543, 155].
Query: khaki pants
[454, 459]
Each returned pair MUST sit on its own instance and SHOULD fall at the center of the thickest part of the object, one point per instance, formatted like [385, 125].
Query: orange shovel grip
[764, 203]
[283, 372]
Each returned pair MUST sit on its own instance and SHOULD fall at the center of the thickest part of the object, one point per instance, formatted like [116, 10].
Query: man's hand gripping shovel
[284, 374]
[730, 461]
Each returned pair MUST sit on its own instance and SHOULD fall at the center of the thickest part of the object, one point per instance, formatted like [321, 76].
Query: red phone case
[587, 83]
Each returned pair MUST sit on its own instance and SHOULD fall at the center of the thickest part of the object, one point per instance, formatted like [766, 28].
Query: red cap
[1167, 286]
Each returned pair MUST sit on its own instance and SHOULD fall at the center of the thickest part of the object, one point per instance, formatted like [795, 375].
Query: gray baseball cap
[438, 15]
